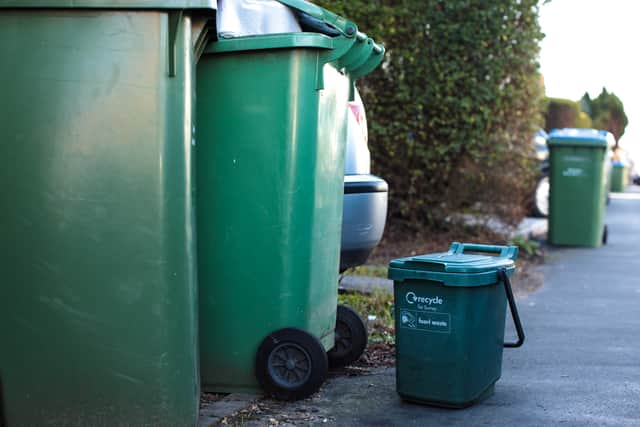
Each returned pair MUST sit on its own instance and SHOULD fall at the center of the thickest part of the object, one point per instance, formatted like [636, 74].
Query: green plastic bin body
[270, 184]
[619, 177]
[449, 318]
[579, 187]
[98, 302]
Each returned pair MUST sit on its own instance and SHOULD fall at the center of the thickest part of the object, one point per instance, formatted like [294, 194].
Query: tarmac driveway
[580, 365]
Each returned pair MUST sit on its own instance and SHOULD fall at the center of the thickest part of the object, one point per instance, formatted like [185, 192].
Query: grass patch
[368, 270]
[376, 309]
[527, 248]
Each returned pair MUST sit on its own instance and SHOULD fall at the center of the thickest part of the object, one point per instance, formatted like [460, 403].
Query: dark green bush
[607, 112]
[453, 109]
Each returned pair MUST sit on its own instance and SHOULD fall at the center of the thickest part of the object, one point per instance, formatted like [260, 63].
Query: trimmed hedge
[561, 113]
[453, 109]
[565, 113]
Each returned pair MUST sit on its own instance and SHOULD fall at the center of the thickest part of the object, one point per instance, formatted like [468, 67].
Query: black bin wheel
[605, 235]
[291, 364]
[351, 338]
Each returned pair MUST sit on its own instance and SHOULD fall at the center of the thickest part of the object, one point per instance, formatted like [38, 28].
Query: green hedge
[453, 109]
[565, 113]
[561, 113]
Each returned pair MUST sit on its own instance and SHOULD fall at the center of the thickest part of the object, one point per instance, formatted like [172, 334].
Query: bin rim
[110, 4]
[581, 138]
[271, 41]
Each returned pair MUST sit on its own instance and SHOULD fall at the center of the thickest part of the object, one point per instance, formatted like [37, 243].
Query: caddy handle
[510, 252]
[504, 277]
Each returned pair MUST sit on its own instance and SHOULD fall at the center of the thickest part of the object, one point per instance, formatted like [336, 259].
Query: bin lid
[581, 138]
[110, 4]
[271, 41]
[455, 267]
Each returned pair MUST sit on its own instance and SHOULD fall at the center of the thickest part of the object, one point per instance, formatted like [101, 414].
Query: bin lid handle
[371, 63]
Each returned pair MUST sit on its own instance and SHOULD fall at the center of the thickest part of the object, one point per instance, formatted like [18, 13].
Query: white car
[365, 196]
[540, 199]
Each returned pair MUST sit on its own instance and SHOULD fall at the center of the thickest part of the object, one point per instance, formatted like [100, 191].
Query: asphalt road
[580, 365]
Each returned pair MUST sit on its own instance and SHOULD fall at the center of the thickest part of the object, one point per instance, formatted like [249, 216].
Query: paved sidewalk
[580, 365]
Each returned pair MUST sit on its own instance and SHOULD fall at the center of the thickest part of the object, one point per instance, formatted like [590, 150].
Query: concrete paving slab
[366, 284]
[212, 413]
[529, 227]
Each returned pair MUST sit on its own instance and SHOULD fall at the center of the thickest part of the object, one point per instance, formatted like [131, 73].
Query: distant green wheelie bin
[98, 297]
[450, 319]
[579, 186]
[619, 177]
[271, 115]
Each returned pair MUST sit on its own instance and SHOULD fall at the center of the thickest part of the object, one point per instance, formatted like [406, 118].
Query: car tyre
[541, 198]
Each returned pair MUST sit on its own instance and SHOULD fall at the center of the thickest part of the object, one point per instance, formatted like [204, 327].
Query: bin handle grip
[510, 252]
[346, 27]
[504, 278]
[371, 63]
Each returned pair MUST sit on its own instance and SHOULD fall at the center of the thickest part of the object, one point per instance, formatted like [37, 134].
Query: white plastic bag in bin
[237, 18]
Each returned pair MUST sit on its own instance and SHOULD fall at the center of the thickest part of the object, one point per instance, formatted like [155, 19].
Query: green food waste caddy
[271, 134]
[579, 186]
[449, 320]
[619, 177]
[98, 299]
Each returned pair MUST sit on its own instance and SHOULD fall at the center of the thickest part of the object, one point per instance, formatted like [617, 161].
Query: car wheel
[541, 198]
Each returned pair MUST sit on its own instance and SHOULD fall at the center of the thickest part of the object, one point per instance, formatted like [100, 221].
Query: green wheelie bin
[271, 114]
[619, 177]
[579, 186]
[450, 319]
[98, 301]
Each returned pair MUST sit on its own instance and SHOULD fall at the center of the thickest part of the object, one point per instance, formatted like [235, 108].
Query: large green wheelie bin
[450, 318]
[579, 186]
[271, 114]
[98, 299]
[619, 177]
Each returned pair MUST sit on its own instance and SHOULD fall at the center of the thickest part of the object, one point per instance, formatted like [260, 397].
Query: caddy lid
[464, 264]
